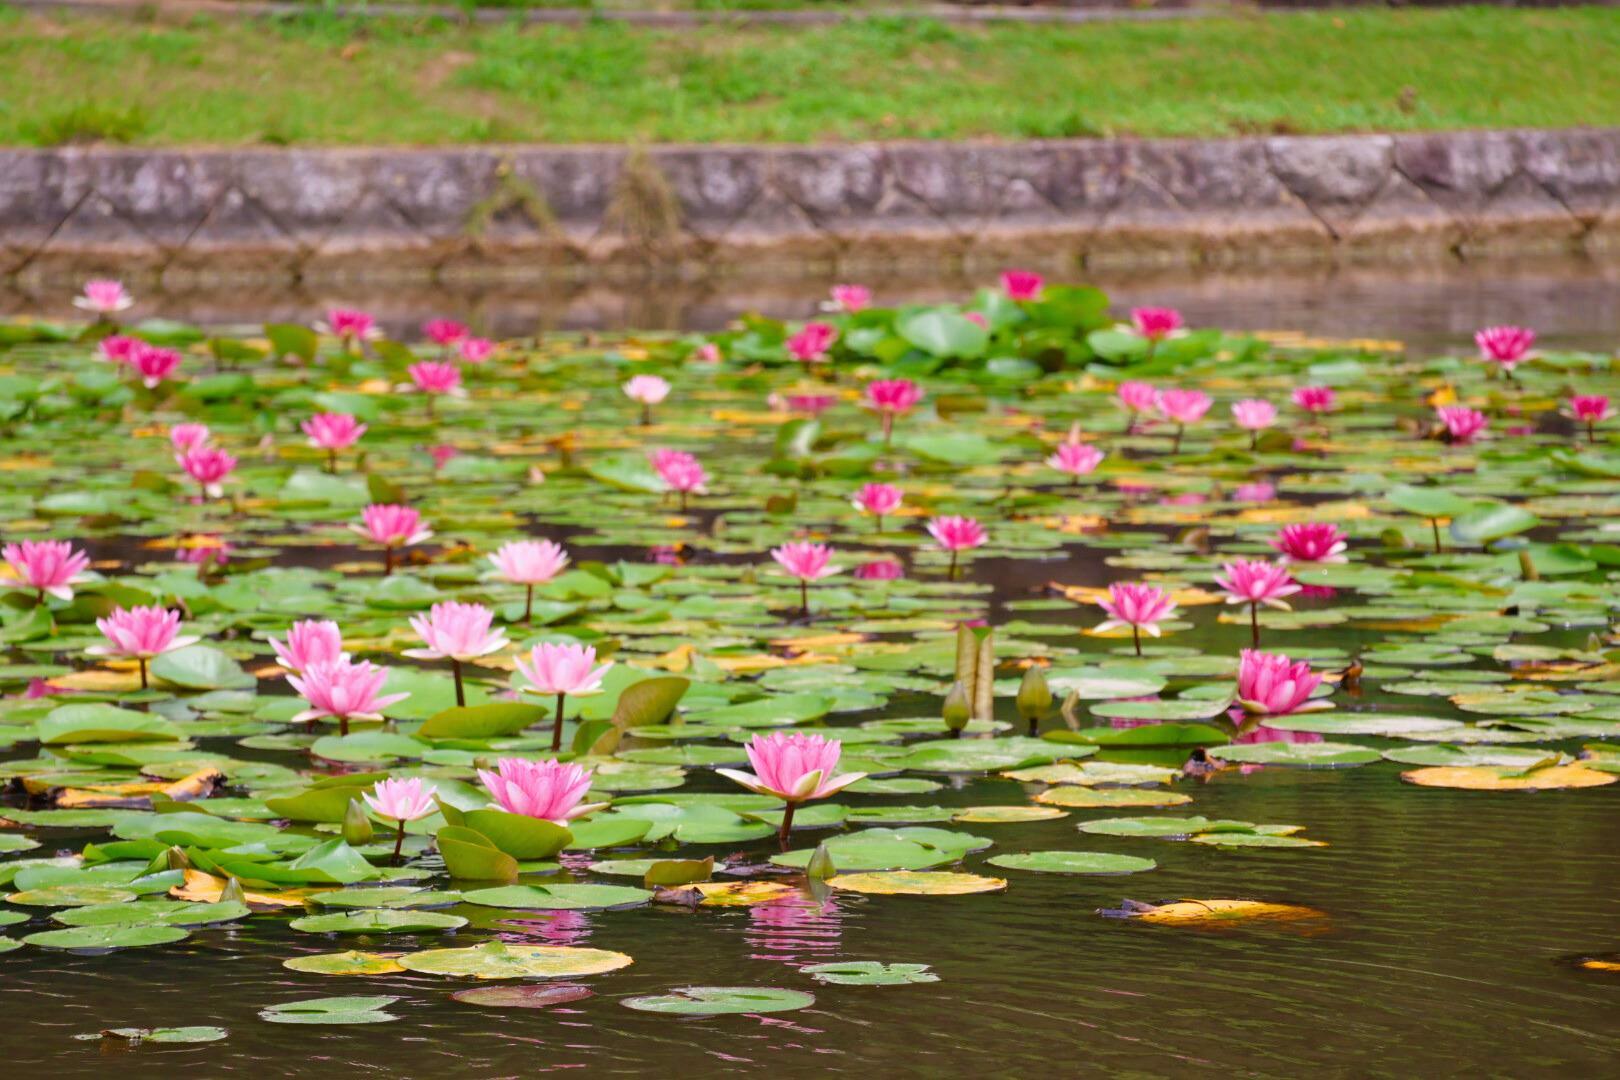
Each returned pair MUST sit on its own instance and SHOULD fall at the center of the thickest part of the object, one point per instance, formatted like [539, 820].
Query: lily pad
[497, 960]
[869, 973]
[721, 1000]
[1073, 862]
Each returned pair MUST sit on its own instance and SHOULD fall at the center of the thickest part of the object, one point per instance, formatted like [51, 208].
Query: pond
[1424, 837]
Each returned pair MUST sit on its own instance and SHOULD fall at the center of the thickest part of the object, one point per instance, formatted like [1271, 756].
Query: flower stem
[461, 695]
[142, 661]
[388, 560]
[888, 429]
[556, 725]
[343, 724]
[646, 415]
[1254, 623]
[787, 825]
[399, 842]
[804, 598]
[331, 461]
[1136, 638]
[1434, 523]
[1175, 447]
[528, 604]
[950, 574]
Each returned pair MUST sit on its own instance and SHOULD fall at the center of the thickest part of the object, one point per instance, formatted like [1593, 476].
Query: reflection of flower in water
[559, 928]
[796, 931]
[1262, 734]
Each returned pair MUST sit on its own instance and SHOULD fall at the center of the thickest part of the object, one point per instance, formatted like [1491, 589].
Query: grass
[319, 80]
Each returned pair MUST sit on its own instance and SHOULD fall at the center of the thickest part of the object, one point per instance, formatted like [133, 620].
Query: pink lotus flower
[851, 298]
[1316, 399]
[104, 297]
[1507, 345]
[1463, 425]
[349, 326]
[1259, 491]
[1156, 323]
[153, 365]
[435, 377]
[681, 473]
[209, 466]
[1271, 684]
[1022, 285]
[529, 563]
[547, 790]
[1138, 397]
[1254, 415]
[794, 767]
[49, 567]
[118, 349]
[333, 431]
[1075, 458]
[1255, 582]
[895, 396]
[647, 390]
[1314, 541]
[810, 344]
[442, 455]
[393, 526]
[1591, 410]
[455, 631]
[1183, 406]
[475, 350]
[184, 437]
[879, 500]
[562, 669]
[879, 570]
[1140, 607]
[956, 535]
[444, 331]
[402, 800]
[706, 353]
[310, 643]
[812, 404]
[807, 562]
[139, 634]
[344, 690]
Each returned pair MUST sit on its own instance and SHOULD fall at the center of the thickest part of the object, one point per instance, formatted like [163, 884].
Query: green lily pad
[378, 921]
[1073, 862]
[106, 938]
[720, 1000]
[869, 973]
[559, 897]
[497, 960]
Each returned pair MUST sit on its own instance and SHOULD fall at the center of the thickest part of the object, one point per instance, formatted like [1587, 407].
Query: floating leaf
[719, 1000]
[348, 962]
[869, 973]
[1073, 862]
[917, 883]
[496, 960]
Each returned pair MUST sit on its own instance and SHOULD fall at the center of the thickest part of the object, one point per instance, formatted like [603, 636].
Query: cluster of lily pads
[380, 638]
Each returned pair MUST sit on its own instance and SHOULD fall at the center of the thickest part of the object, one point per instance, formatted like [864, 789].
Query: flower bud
[957, 710]
[357, 828]
[1034, 697]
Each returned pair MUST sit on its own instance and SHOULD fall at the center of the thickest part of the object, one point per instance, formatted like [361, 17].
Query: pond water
[1444, 922]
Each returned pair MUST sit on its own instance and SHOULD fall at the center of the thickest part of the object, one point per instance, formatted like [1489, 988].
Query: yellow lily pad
[1504, 778]
[348, 962]
[917, 883]
[1007, 815]
[727, 893]
[1209, 912]
[1090, 797]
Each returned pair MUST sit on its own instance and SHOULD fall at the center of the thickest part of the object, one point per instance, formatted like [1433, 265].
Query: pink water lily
[1274, 685]
[1077, 459]
[1254, 415]
[547, 790]
[344, 690]
[104, 297]
[310, 642]
[333, 432]
[475, 350]
[956, 534]
[1140, 607]
[646, 391]
[851, 298]
[1258, 491]
[562, 669]
[809, 344]
[529, 563]
[184, 437]
[1316, 399]
[1182, 407]
[1022, 285]
[118, 349]
[1508, 346]
[209, 466]
[810, 404]
[879, 570]
[706, 354]
[49, 567]
[878, 499]
[1462, 424]
[445, 332]
[402, 800]
[1311, 541]
[1138, 399]
[350, 326]
[794, 767]
[1255, 582]
[139, 634]
[808, 562]
[458, 633]
[153, 365]
[681, 473]
[891, 398]
[1591, 410]
[436, 378]
[393, 526]
[1156, 323]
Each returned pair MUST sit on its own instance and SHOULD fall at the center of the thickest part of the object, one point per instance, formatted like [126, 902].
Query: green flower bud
[357, 828]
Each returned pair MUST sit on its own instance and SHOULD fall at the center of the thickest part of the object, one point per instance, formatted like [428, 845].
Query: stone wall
[331, 214]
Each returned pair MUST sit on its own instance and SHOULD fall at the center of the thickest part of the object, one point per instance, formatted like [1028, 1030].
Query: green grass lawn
[317, 80]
